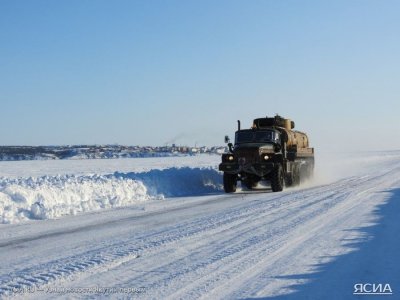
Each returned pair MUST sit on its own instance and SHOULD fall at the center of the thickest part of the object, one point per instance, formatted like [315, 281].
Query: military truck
[269, 151]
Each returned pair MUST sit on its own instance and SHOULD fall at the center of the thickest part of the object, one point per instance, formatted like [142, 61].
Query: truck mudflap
[259, 169]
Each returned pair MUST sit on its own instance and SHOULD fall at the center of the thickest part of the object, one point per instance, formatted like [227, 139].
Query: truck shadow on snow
[178, 182]
[373, 260]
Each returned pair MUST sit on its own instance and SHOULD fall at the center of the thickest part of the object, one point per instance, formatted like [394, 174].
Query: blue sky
[157, 72]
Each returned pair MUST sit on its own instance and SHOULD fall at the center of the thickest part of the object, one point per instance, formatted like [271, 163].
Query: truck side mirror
[230, 145]
[227, 139]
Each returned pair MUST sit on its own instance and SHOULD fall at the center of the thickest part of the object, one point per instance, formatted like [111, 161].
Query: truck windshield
[250, 136]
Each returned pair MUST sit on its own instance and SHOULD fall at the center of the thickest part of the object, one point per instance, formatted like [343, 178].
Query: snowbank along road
[153, 231]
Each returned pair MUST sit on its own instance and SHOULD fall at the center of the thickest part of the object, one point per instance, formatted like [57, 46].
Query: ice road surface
[163, 229]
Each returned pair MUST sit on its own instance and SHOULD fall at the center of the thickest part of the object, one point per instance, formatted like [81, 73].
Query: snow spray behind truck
[270, 150]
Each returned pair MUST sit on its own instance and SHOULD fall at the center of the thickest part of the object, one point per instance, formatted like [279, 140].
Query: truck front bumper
[259, 169]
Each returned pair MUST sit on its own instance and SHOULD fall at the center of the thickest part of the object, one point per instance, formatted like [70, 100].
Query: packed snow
[162, 228]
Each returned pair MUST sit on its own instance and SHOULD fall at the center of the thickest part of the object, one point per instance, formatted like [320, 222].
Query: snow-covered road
[314, 242]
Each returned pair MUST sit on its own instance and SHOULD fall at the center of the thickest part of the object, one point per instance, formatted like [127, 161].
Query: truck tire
[293, 179]
[296, 176]
[289, 179]
[230, 182]
[277, 179]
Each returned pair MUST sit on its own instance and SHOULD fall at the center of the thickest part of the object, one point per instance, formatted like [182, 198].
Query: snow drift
[49, 197]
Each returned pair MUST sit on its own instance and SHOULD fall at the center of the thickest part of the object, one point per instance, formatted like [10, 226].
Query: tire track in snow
[222, 277]
[329, 198]
[64, 268]
[230, 259]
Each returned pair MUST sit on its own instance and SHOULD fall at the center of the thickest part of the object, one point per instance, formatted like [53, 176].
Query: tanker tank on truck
[270, 150]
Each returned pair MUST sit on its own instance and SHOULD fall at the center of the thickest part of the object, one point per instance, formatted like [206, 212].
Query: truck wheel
[230, 182]
[296, 175]
[277, 179]
[289, 180]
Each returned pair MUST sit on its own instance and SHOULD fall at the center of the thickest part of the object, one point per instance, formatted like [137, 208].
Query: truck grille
[247, 156]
